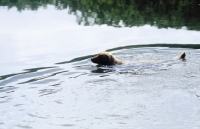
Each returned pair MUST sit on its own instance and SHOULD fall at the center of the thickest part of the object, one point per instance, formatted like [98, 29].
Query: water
[48, 81]
[151, 89]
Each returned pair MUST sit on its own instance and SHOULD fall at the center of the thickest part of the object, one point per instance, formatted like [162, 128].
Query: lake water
[48, 81]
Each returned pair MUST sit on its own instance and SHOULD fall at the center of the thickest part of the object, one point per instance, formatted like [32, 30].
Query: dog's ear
[105, 59]
[111, 60]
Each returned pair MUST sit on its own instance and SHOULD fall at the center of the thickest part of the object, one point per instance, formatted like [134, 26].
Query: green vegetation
[160, 13]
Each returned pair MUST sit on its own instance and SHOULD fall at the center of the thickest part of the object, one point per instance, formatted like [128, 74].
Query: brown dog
[105, 58]
[182, 56]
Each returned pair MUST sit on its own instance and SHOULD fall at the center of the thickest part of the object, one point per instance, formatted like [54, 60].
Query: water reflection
[103, 70]
[193, 46]
[162, 13]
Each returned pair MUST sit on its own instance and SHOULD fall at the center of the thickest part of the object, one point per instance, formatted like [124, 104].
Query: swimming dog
[105, 58]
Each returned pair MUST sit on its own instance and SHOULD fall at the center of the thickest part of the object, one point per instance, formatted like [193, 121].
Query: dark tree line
[160, 13]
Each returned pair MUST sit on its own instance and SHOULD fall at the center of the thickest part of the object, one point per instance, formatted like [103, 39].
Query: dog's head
[103, 58]
[182, 56]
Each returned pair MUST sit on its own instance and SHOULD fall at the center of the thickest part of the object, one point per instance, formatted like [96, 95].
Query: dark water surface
[47, 80]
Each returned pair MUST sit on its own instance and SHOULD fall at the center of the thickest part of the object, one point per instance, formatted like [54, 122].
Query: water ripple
[150, 87]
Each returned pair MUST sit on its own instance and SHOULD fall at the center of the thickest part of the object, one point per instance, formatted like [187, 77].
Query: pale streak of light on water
[70, 96]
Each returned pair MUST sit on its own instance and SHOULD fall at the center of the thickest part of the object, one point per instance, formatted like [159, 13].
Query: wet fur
[182, 56]
[105, 58]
